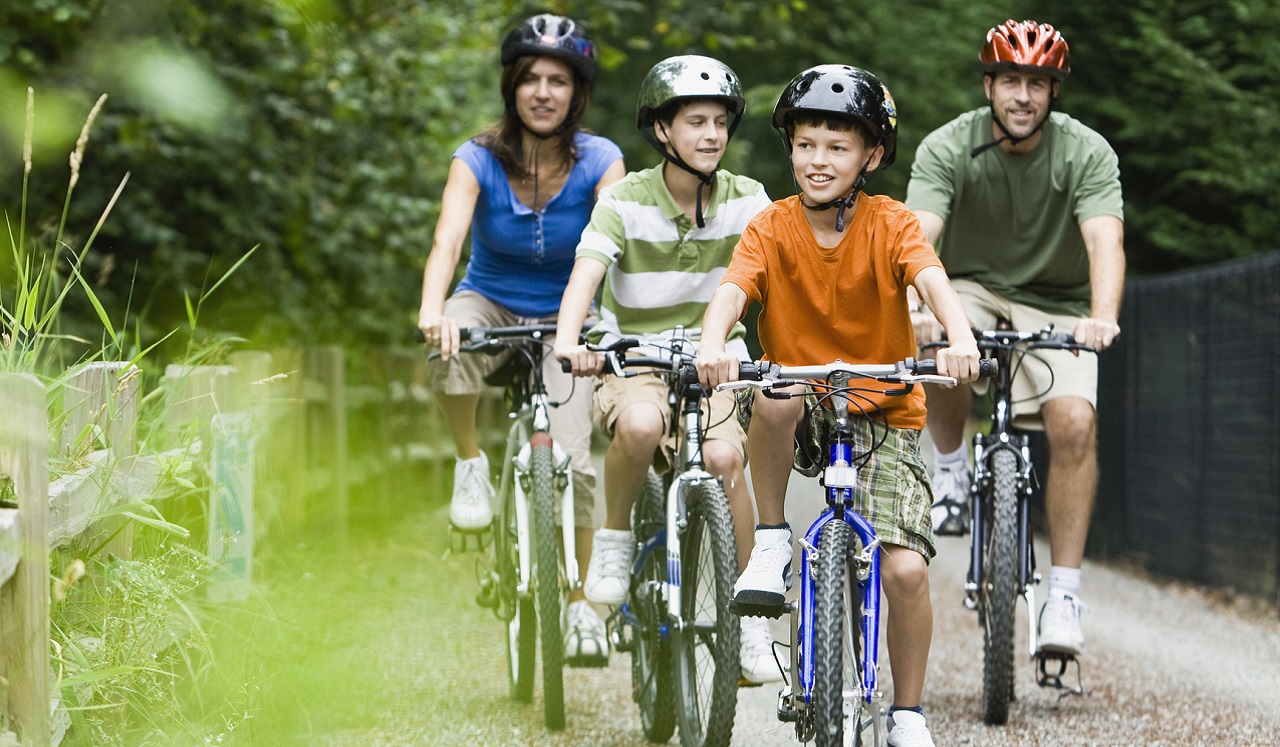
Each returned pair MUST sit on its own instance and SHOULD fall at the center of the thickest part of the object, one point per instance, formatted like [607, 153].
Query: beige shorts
[570, 422]
[1044, 374]
[614, 394]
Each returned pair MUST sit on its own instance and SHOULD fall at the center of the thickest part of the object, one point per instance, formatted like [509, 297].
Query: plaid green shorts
[898, 492]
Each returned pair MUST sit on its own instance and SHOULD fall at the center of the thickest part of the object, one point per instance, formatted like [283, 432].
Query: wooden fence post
[327, 437]
[104, 395]
[24, 600]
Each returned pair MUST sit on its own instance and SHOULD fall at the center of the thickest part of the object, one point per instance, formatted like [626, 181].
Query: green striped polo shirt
[662, 268]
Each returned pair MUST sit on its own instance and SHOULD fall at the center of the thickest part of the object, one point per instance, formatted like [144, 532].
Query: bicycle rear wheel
[706, 640]
[543, 518]
[999, 589]
[842, 716]
[652, 683]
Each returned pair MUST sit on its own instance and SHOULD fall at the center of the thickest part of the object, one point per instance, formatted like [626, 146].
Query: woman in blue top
[525, 189]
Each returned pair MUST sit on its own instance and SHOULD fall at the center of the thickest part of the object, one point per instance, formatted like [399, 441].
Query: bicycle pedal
[754, 609]
[458, 537]
[1050, 679]
[487, 597]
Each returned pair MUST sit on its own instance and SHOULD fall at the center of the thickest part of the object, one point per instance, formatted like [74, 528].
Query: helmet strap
[1008, 136]
[840, 203]
[669, 153]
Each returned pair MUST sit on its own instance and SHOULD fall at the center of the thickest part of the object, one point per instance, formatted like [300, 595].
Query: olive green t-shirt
[1013, 222]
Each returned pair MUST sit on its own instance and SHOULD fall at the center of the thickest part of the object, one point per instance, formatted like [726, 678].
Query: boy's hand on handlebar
[715, 367]
[960, 361]
[584, 362]
[441, 333]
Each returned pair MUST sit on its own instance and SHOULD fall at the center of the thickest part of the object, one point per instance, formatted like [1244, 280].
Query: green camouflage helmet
[687, 76]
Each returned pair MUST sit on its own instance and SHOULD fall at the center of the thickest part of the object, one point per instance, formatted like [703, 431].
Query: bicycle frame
[840, 478]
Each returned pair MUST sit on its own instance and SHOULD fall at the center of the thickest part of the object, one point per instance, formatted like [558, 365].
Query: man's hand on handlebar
[584, 362]
[715, 367]
[927, 327]
[1096, 333]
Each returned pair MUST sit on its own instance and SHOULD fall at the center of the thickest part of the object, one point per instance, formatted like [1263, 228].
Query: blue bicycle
[833, 693]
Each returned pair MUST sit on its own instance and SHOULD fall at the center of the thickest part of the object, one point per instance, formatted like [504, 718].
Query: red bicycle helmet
[1028, 47]
[553, 36]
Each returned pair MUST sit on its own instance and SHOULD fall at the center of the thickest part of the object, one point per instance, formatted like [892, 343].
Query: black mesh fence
[1189, 427]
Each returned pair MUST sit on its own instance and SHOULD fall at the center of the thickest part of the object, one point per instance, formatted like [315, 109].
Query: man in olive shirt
[1031, 205]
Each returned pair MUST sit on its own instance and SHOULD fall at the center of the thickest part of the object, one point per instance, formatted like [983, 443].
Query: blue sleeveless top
[521, 259]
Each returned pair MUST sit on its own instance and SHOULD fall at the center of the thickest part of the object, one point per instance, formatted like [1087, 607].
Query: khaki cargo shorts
[1043, 374]
[614, 394]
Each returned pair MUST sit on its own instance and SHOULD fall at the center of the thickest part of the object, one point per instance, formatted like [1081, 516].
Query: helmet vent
[838, 88]
[705, 76]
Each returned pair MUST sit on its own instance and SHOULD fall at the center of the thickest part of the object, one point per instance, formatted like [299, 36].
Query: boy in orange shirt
[830, 268]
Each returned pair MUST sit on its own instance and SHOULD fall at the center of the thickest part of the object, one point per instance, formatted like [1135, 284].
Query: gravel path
[403, 656]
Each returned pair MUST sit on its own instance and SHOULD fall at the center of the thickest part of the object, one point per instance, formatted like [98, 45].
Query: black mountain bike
[1002, 563]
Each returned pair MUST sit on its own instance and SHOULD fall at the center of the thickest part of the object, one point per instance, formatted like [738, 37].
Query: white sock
[1065, 580]
[954, 460]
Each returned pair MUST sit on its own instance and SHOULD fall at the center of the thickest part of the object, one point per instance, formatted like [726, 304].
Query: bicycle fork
[564, 484]
[983, 448]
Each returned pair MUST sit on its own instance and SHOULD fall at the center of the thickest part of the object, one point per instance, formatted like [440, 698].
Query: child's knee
[904, 572]
[638, 426]
[722, 459]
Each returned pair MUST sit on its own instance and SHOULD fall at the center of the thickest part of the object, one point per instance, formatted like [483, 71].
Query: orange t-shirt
[847, 302]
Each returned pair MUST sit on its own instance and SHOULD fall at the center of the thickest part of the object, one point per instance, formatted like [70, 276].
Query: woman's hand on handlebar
[583, 362]
[715, 367]
[440, 333]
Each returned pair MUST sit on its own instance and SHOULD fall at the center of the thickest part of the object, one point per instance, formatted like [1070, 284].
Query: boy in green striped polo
[663, 238]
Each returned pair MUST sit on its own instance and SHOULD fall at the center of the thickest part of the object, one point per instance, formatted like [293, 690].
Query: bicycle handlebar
[1044, 339]
[765, 375]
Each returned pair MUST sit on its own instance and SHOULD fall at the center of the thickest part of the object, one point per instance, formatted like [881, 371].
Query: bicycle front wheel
[842, 714]
[547, 575]
[1000, 589]
[705, 641]
[515, 608]
[651, 678]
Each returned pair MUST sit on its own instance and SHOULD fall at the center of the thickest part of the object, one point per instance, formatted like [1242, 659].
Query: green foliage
[322, 129]
[1187, 92]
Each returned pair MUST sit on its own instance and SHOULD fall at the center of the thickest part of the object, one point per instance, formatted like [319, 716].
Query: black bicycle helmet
[553, 36]
[845, 91]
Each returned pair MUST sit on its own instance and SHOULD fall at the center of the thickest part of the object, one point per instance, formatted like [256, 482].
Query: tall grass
[129, 634]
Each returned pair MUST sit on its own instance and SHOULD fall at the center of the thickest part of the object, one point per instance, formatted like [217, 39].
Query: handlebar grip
[987, 367]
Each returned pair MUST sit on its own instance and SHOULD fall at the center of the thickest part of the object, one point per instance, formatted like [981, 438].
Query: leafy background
[321, 129]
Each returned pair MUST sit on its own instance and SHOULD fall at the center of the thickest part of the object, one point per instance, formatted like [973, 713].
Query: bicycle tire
[516, 609]
[999, 589]
[652, 681]
[706, 642]
[547, 575]
[837, 644]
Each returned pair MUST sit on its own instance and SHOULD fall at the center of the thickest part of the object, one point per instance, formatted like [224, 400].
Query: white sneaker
[609, 572]
[1060, 624]
[758, 662]
[762, 587]
[950, 511]
[471, 506]
[586, 641]
[907, 729]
